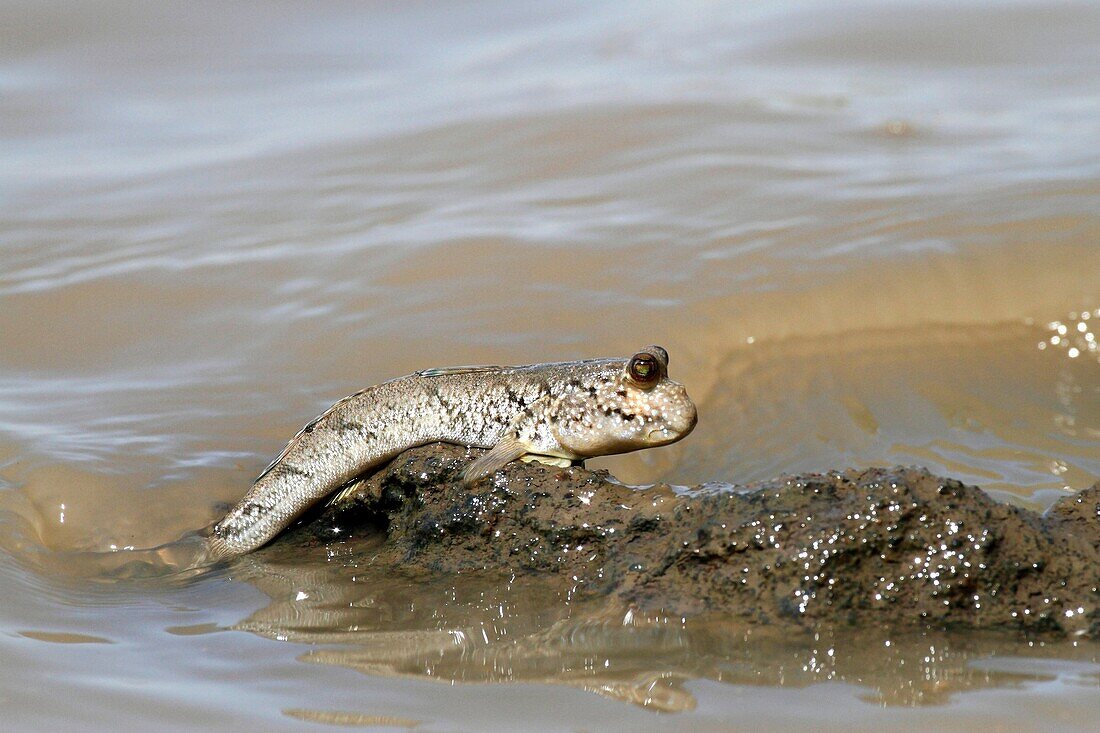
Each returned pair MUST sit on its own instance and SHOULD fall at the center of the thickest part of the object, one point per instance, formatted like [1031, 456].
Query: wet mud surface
[895, 547]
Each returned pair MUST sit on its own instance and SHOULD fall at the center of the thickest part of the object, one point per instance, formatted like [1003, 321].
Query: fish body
[557, 412]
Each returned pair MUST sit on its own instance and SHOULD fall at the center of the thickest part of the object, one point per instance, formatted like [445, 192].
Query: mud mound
[885, 546]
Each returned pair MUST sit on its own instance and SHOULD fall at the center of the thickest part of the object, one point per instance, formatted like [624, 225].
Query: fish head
[629, 405]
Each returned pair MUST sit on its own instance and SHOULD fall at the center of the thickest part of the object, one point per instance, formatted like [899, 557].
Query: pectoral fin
[504, 452]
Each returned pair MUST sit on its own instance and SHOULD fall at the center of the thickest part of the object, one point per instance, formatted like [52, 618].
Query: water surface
[867, 234]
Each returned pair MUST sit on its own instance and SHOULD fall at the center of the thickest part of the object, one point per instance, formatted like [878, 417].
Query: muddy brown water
[867, 234]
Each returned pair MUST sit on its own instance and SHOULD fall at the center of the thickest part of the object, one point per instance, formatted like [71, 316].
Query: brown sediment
[896, 547]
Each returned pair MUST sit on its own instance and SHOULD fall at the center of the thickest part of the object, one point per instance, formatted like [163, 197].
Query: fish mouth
[671, 433]
[660, 435]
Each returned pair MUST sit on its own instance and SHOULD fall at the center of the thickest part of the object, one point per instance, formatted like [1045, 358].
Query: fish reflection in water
[488, 628]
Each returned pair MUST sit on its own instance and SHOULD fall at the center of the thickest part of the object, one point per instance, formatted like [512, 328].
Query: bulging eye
[644, 370]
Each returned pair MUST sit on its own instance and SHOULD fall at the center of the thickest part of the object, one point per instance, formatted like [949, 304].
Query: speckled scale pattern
[568, 410]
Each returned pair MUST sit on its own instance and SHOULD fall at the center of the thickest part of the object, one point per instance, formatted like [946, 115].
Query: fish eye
[644, 370]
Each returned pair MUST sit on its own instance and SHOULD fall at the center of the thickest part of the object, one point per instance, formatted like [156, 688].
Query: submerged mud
[894, 547]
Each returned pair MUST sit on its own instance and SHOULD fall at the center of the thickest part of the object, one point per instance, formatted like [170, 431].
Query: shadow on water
[488, 628]
[485, 627]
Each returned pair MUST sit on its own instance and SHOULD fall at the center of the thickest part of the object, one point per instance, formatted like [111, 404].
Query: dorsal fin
[441, 371]
[308, 427]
